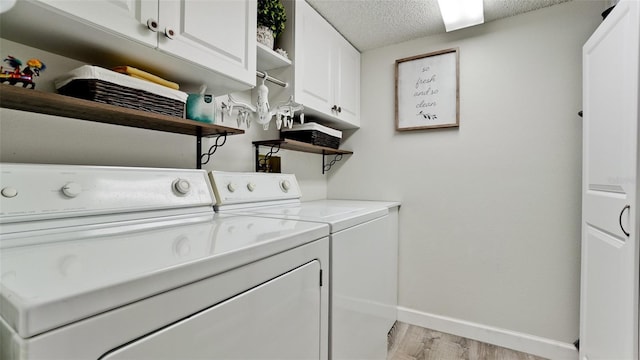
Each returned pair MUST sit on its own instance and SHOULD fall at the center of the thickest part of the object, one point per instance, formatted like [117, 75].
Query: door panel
[607, 277]
[609, 284]
[314, 60]
[220, 34]
[124, 17]
[348, 86]
[279, 319]
[609, 136]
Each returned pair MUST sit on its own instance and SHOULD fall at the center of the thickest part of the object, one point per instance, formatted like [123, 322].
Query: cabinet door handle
[152, 25]
[620, 219]
[168, 32]
[339, 109]
[334, 108]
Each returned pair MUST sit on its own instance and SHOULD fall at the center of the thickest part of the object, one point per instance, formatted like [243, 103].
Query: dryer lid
[47, 282]
[339, 214]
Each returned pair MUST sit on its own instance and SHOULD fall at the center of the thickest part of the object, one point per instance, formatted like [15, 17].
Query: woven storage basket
[113, 94]
[315, 134]
[97, 84]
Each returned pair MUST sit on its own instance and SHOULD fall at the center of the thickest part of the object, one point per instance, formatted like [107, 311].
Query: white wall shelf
[269, 59]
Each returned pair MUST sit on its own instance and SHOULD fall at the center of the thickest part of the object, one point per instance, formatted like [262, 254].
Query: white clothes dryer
[363, 260]
[132, 263]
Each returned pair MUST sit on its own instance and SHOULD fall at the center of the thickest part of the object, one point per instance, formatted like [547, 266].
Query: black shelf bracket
[261, 164]
[327, 166]
[199, 148]
[204, 158]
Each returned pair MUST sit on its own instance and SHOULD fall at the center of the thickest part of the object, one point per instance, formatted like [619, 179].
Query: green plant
[271, 14]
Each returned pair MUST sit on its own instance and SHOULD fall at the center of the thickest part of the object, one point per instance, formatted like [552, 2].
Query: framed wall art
[427, 91]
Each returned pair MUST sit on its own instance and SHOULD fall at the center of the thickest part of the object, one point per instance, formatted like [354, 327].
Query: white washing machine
[364, 253]
[132, 263]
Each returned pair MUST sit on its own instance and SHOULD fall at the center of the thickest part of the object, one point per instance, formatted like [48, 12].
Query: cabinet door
[347, 81]
[609, 284]
[219, 35]
[279, 319]
[314, 54]
[123, 17]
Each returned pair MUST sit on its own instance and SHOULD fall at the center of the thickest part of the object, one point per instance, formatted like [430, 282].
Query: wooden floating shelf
[18, 98]
[295, 145]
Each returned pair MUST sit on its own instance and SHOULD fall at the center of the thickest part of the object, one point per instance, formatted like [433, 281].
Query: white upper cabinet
[347, 86]
[326, 76]
[314, 62]
[207, 42]
[125, 17]
[215, 34]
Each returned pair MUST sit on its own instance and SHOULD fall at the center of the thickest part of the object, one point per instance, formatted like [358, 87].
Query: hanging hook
[263, 109]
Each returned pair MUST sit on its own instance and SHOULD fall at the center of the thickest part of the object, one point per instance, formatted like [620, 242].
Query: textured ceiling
[369, 24]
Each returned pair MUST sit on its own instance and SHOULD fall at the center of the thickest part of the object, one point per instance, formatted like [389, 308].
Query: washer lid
[64, 277]
[339, 214]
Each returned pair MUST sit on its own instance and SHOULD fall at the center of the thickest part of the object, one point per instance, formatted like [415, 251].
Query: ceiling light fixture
[458, 14]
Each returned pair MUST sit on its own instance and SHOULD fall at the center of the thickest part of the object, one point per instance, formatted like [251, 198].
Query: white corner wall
[35, 138]
[490, 216]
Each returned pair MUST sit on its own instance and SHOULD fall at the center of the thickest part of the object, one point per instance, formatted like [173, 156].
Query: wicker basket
[314, 134]
[108, 93]
[109, 87]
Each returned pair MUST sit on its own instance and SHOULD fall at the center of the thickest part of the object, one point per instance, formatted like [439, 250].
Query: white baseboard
[531, 344]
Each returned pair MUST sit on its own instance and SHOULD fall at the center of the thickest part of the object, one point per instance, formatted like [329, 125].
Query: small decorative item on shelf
[282, 53]
[272, 18]
[26, 76]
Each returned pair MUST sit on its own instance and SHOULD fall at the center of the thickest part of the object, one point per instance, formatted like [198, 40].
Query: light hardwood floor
[411, 342]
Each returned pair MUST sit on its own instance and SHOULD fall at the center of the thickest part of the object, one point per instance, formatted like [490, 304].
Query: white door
[123, 17]
[219, 35]
[279, 319]
[314, 65]
[609, 284]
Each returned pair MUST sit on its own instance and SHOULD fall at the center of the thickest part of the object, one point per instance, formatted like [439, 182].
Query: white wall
[35, 138]
[490, 217]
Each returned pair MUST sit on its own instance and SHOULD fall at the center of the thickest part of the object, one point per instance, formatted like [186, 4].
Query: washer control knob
[231, 187]
[71, 189]
[251, 186]
[285, 185]
[181, 186]
[9, 192]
